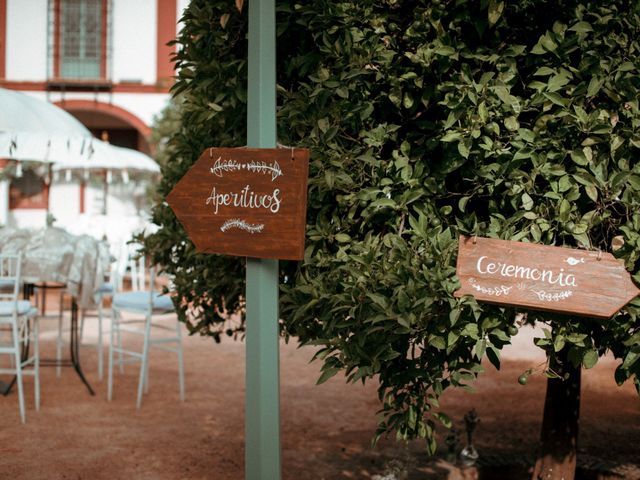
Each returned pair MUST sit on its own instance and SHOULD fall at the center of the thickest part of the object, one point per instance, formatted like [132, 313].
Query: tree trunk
[559, 436]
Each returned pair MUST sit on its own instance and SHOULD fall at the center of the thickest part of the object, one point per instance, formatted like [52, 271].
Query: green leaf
[556, 98]
[480, 348]
[634, 181]
[462, 203]
[564, 183]
[545, 44]
[527, 135]
[451, 136]
[495, 11]
[627, 67]
[595, 84]
[544, 72]
[578, 157]
[215, 107]
[378, 299]
[483, 113]
[445, 50]
[464, 147]
[454, 315]
[575, 356]
[558, 343]
[407, 101]
[437, 342]
[556, 82]
[511, 123]
[577, 338]
[631, 357]
[471, 330]
[384, 202]
[342, 92]
[621, 375]
[444, 419]
[590, 358]
[493, 354]
[565, 210]
[582, 239]
[581, 27]
[527, 201]
[536, 233]
[327, 374]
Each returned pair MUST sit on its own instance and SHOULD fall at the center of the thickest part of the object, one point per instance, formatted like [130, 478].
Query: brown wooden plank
[555, 279]
[245, 202]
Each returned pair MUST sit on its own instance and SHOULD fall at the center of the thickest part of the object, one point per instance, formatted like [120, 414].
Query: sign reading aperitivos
[540, 277]
[246, 202]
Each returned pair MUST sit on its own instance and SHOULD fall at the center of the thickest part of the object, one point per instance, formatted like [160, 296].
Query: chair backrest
[138, 273]
[136, 265]
[10, 267]
[152, 285]
[128, 264]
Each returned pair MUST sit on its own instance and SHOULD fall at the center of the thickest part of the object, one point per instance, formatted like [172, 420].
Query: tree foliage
[426, 119]
[164, 126]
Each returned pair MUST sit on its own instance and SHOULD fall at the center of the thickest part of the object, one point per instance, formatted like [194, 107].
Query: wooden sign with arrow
[540, 277]
[248, 202]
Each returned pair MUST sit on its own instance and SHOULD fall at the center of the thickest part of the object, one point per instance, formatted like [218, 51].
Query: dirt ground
[326, 429]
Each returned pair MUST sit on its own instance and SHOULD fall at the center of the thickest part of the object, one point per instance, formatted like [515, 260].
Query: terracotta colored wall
[167, 19]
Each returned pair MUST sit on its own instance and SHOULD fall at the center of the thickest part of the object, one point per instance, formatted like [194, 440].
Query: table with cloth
[53, 258]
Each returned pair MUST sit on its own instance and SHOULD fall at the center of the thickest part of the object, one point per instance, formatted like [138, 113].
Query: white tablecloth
[54, 255]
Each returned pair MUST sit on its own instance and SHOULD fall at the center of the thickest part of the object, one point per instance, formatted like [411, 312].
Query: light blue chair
[146, 303]
[18, 316]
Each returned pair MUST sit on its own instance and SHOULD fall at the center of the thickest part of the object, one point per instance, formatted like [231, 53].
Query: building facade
[106, 62]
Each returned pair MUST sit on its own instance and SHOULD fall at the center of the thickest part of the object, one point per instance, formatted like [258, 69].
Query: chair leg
[36, 360]
[180, 361]
[100, 354]
[82, 315]
[16, 346]
[114, 325]
[145, 360]
[59, 340]
[120, 354]
[146, 379]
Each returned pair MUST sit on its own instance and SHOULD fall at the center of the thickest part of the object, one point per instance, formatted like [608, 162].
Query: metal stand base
[74, 361]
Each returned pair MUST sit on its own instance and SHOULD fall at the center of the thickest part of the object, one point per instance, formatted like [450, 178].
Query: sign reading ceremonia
[247, 202]
[541, 277]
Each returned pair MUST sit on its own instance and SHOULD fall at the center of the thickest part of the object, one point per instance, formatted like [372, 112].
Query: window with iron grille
[78, 38]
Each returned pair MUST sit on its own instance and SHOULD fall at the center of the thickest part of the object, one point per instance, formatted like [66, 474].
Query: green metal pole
[262, 401]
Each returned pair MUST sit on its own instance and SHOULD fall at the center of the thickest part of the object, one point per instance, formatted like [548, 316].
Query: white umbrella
[32, 129]
[35, 130]
[104, 156]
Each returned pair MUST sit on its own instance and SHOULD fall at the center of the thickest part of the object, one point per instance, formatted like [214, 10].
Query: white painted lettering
[487, 267]
[245, 198]
[479, 265]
